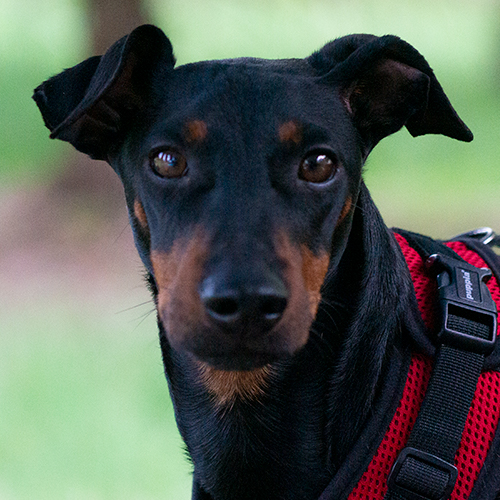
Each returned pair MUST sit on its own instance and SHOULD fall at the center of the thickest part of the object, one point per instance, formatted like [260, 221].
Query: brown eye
[169, 164]
[317, 168]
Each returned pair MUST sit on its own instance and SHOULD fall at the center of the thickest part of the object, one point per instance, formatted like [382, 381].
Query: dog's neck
[288, 440]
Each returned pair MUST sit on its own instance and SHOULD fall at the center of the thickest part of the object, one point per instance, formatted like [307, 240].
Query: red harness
[484, 414]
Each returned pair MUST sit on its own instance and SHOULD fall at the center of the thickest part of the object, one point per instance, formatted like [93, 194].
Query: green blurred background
[84, 408]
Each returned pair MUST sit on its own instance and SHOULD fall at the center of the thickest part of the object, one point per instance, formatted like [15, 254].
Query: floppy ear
[90, 104]
[386, 84]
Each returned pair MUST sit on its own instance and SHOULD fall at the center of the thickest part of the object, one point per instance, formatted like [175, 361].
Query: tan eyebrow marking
[196, 131]
[290, 131]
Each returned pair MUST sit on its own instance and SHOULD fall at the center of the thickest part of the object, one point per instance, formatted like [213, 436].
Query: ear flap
[386, 84]
[89, 105]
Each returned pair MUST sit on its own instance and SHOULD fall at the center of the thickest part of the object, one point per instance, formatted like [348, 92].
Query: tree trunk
[92, 184]
[112, 19]
[60, 228]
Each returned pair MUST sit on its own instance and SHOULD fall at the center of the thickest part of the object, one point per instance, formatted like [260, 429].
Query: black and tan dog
[282, 297]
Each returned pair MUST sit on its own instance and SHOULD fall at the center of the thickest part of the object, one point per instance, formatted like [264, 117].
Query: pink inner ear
[392, 94]
[387, 86]
[385, 97]
[397, 72]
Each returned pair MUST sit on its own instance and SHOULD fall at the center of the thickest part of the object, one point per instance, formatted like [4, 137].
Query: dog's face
[239, 185]
[241, 176]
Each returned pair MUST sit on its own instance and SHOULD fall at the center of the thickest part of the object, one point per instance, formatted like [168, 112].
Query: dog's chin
[239, 357]
[232, 352]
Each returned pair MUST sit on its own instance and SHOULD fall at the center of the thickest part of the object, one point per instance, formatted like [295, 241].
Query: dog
[283, 299]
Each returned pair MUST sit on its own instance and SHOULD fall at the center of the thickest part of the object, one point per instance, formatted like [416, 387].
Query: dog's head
[241, 176]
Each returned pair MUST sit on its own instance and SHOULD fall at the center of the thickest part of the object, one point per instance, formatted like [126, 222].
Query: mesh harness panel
[484, 414]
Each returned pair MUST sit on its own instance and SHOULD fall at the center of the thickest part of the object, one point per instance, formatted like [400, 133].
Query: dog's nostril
[262, 305]
[272, 306]
[225, 307]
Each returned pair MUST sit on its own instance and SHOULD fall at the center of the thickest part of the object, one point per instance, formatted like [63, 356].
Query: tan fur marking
[178, 272]
[165, 267]
[345, 210]
[290, 131]
[140, 214]
[196, 131]
[227, 386]
[306, 273]
[314, 269]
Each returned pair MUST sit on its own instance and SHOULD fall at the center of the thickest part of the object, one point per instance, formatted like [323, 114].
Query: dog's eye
[169, 164]
[317, 168]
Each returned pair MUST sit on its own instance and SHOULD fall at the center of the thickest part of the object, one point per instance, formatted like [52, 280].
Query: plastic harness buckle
[469, 314]
[417, 475]
[424, 469]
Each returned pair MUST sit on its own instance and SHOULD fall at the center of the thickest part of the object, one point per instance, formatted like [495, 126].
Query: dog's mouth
[240, 345]
[235, 343]
[238, 320]
[239, 362]
[243, 359]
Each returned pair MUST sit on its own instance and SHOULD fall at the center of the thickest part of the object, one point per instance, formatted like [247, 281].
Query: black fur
[242, 188]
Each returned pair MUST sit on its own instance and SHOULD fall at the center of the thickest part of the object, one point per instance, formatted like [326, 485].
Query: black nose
[230, 305]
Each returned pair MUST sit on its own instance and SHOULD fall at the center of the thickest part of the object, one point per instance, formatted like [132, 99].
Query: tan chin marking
[226, 387]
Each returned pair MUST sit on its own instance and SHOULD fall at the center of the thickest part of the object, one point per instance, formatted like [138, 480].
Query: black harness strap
[424, 469]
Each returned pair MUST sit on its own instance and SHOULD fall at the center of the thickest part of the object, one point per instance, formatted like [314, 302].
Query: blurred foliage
[460, 39]
[85, 407]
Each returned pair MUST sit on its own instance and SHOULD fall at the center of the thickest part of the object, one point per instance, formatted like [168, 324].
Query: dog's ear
[90, 104]
[386, 84]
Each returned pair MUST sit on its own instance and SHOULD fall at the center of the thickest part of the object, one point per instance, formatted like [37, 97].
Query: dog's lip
[234, 353]
[239, 360]
[238, 363]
